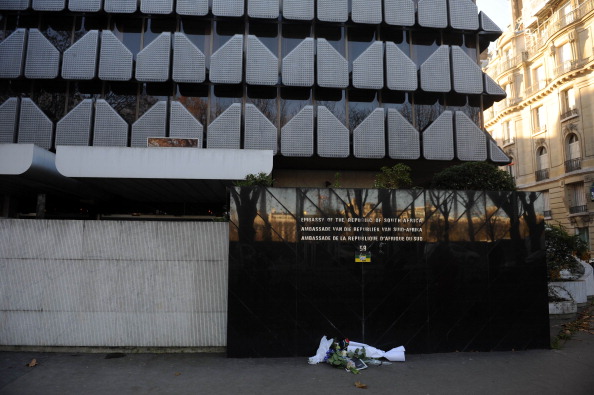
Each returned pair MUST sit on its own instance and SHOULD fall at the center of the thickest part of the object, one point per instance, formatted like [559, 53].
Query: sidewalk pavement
[569, 370]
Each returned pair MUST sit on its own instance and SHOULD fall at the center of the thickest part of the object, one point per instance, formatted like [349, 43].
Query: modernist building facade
[544, 63]
[300, 88]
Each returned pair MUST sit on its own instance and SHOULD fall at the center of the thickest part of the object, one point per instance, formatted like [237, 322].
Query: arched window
[542, 164]
[542, 158]
[573, 153]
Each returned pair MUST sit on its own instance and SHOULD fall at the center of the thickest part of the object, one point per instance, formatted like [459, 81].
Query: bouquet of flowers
[338, 356]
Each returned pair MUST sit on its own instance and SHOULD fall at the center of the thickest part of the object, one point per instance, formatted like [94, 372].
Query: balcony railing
[512, 62]
[570, 65]
[542, 174]
[569, 114]
[537, 86]
[508, 140]
[578, 209]
[573, 165]
[555, 23]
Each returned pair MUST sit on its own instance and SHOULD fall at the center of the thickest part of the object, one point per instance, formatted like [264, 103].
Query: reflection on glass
[467, 104]
[293, 34]
[129, 31]
[195, 100]
[334, 35]
[292, 101]
[155, 26]
[264, 98]
[152, 93]
[399, 37]
[50, 97]
[427, 109]
[222, 97]
[84, 24]
[424, 44]
[399, 101]
[267, 33]
[359, 39]
[58, 30]
[198, 32]
[80, 90]
[361, 104]
[122, 97]
[224, 30]
[334, 100]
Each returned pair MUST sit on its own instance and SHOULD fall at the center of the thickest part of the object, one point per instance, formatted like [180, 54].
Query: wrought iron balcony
[569, 114]
[542, 174]
[573, 165]
[537, 86]
[578, 209]
[509, 140]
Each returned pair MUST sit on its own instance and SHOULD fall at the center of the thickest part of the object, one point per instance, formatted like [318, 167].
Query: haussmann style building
[544, 63]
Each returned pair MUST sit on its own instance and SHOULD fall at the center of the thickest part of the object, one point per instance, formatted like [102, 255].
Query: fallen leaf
[359, 384]
[177, 374]
[32, 363]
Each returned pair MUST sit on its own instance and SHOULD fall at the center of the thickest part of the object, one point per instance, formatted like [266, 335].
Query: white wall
[111, 284]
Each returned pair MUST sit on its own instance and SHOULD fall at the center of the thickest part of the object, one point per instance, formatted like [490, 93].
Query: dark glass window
[195, 99]
[334, 100]
[292, 102]
[361, 104]
[129, 31]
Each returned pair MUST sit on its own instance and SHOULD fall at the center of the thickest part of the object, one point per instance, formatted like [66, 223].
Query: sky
[498, 10]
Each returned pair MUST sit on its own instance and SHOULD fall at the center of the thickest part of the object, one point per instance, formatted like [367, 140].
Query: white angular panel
[403, 139]
[333, 68]
[49, 5]
[152, 63]
[226, 64]
[183, 125]
[298, 9]
[34, 126]
[120, 6]
[464, 15]
[85, 5]
[43, 59]
[401, 70]
[492, 88]
[75, 127]
[151, 124]
[496, 154]
[333, 136]
[8, 120]
[189, 63]
[297, 134]
[298, 65]
[471, 142]
[156, 6]
[399, 12]
[333, 10]
[487, 24]
[260, 133]
[368, 68]
[435, 71]
[115, 60]
[228, 7]
[468, 76]
[225, 131]
[369, 139]
[192, 7]
[262, 65]
[80, 60]
[367, 11]
[110, 130]
[15, 4]
[12, 54]
[263, 9]
[438, 138]
[433, 13]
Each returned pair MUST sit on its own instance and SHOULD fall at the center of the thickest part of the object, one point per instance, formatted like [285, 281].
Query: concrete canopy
[162, 174]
